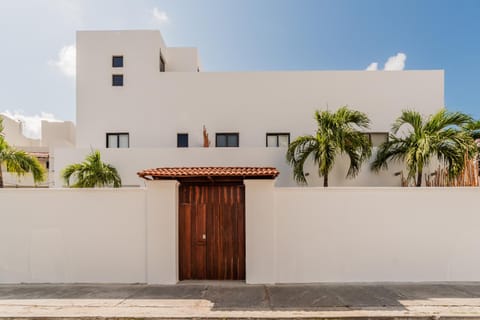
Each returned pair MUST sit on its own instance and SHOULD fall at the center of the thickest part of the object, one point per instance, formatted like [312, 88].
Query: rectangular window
[118, 140]
[117, 62]
[182, 140]
[227, 140]
[117, 80]
[377, 138]
[162, 63]
[278, 140]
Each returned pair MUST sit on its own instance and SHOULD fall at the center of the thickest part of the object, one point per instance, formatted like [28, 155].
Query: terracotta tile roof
[189, 172]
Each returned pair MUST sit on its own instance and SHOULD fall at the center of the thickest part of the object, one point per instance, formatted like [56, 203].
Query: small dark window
[162, 64]
[276, 140]
[182, 140]
[118, 140]
[117, 62]
[227, 140]
[117, 80]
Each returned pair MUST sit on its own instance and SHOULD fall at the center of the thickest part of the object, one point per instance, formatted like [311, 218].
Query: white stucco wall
[182, 59]
[376, 234]
[260, 231]
[58, 134]
[13, 133]
[162, 232]
[154, 106]
[293, 235]
[130, 161]
[72, 235]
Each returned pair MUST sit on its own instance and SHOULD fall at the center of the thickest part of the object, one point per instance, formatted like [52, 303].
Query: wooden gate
[212, 231]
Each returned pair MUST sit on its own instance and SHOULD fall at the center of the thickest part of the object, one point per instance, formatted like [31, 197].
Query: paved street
[238, 300]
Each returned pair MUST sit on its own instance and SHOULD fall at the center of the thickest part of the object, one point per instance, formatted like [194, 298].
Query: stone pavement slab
[238, 300]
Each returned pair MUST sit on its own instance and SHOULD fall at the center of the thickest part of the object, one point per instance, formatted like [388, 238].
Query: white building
[54, 134]
[144, 105]
[137, 94]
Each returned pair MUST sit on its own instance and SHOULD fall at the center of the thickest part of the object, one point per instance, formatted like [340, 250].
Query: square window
[227, 140]
[271, 140]
[118, 140]
[117, 80]
[278, 140]
[221, 140]
[117, 62]
[112, 141]
[182, 140]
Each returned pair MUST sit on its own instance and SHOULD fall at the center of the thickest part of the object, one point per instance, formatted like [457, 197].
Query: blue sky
[242, 35]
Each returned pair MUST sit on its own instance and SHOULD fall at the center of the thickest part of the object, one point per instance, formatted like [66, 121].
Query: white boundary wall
[293, 235]
[72, 235]
[377, 234]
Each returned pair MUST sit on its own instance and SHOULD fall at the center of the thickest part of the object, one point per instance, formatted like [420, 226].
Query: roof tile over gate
[188, 172]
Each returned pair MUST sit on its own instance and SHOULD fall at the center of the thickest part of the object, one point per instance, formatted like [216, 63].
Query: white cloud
[160, 16]
[394, 63]
[66, 61]
[32, 125]
[372, 66]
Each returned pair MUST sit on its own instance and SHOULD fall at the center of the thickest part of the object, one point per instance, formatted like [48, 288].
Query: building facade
[144, 105]
[58, 134]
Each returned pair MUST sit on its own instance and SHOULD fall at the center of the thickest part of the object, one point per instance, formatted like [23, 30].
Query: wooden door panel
[192, 245]
[199, 244]
[185, 241]
[218, 212]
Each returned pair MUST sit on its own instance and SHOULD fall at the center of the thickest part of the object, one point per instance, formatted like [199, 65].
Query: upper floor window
[118, 140]
[117, 62]
[377, 138]
[182, 140]
[275, 140]
[117, 80]
[226, 140]
[162, 63]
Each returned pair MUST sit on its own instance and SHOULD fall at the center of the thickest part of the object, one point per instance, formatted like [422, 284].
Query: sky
[37, 56]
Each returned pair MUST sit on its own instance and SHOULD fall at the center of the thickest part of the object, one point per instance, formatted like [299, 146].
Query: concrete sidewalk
[238, 300]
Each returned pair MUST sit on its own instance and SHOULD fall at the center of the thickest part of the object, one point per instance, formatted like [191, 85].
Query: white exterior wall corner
[182, 59]
[260, 226]
[162, 232]
[58, 134]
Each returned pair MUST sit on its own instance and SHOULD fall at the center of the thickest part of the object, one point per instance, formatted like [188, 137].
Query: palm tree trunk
[1, 176]
[325, 180]
[419, 177]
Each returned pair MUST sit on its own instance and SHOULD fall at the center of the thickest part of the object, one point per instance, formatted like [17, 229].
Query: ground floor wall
[130, 161]
[293, 235]
[377, 234]
[72, 235]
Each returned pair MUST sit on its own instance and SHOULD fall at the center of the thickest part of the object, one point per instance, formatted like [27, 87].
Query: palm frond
[91, 173]
[337, 132]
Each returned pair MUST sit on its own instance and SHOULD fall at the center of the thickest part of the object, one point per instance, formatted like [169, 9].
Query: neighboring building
[135, 93]
[58, 134]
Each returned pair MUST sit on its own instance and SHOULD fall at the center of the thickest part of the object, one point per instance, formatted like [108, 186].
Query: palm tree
[337, 133]
[440, 136]
[18, 161]
[92, 173]
[473, 129]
